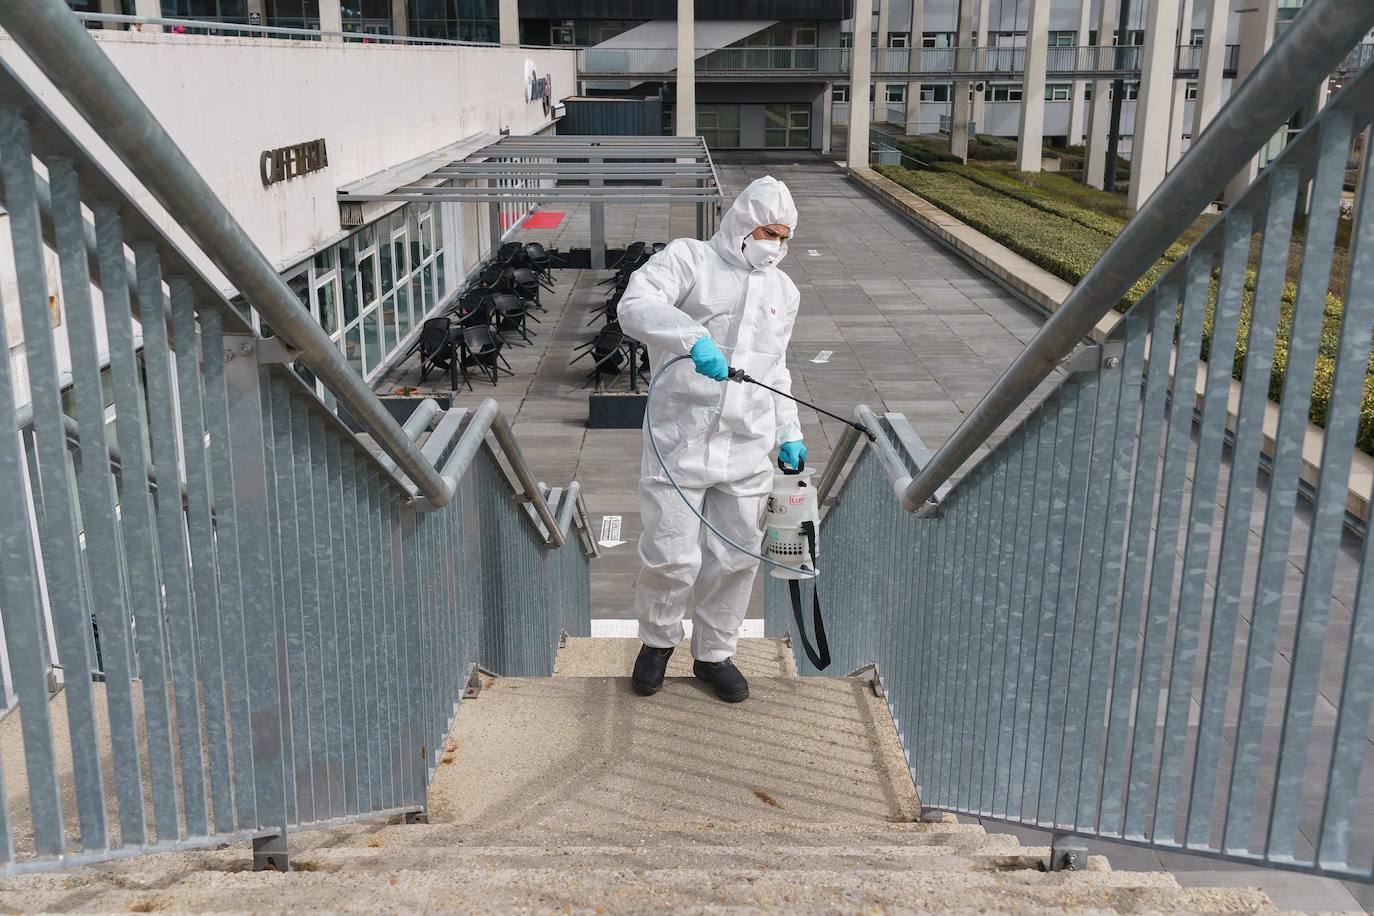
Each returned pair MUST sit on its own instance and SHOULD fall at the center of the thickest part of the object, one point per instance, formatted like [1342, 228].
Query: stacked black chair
[437, 351]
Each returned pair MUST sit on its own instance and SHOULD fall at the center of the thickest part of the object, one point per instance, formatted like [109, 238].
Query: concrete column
[1209, 77]
[150, 9]
[1150, 148]
[1100, 110]
[1077, 108]
[1180, 94]
[880, 89]
[959, 112]
[980, 98]
[1031, 136]
[859, 70]
[827, 118]
[331, 17]
[400, 18]
[509, 13]
[913, 64]
[1257, 24]
[686, 106]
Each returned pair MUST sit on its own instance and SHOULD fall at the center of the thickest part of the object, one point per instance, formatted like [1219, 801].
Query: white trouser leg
[727, 576]
[669, 557]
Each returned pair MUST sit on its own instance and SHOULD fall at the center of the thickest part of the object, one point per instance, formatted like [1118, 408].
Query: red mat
[544, 219]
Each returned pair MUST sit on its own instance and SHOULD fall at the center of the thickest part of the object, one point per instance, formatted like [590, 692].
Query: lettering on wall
[538, 88]
[292, 161]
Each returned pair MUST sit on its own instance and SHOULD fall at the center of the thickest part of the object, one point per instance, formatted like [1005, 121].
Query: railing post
[245, 380]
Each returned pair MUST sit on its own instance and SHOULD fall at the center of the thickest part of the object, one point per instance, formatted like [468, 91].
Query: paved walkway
[909, 326]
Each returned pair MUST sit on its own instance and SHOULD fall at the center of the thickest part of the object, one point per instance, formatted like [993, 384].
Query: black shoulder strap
[819, 654]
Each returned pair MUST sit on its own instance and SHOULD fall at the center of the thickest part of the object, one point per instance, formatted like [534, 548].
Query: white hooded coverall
[716, 437]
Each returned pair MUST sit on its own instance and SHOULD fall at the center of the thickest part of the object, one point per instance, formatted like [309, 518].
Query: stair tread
[621, 890]
[602, 656]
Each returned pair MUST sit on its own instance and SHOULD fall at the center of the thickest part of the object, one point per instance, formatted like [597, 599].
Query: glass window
[372, 341]
[439, 288]
[403, 310]
[1063, 39]
[384, 264]
[896, 92]
[430, 300]
[1058, 92]
[1004, 92]
[349, 280]
[367, 278]
[353, 348]
[787, 126]
[1190, 91]
[718, 125]
[398, 249]
[327, 302]
[300, 285]
[324, 260]
[839, 94]
[938, 93]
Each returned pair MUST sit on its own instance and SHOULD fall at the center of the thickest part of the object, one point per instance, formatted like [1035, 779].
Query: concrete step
[356, 860]
[710, 889]
[969, 837]
[615, 657]
[587, 752]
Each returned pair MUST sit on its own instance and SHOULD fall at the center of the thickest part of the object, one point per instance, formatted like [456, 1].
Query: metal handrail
[56, 41]
[252, 31]
[1312, 46]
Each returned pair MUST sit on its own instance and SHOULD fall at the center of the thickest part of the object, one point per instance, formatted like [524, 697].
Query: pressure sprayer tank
[791, 504]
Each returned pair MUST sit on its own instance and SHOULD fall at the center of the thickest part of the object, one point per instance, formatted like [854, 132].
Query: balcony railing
[1084, 61]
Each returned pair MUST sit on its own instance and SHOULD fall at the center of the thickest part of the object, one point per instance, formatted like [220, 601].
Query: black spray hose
[737, 375]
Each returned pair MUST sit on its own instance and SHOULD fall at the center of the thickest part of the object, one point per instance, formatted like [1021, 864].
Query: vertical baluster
[24, 637]
[975, 577]
[288, 542]
[227, 547]
[1066, 535]
[247, 394]
[273, 541]
[1167, 532]
[952, 530]
[1260, 657]
[1109, 627]
[201, 540]
[1019, 524]
[362, 671]
[332, 672]
[961, 605]
[311, 660]
[1022, 740]
[1235, 533]
[1001, 561]
[98, 501]
[1323, 546]
[1159, 310]
[341, 526]
[58, 534]
[171, 538]
[415, 643]
[1080, 729]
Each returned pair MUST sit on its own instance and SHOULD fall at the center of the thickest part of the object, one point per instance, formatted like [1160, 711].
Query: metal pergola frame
[595, 170]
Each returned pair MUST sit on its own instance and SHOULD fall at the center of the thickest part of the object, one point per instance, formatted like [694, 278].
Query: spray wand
[739, 375]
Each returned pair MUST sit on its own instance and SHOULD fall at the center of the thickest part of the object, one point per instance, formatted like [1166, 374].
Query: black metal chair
[540, 259]
[481, 349]
[525, 284]
[511, 316]
[436, 351]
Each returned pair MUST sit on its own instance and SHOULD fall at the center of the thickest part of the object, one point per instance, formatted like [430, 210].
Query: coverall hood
[764, 202]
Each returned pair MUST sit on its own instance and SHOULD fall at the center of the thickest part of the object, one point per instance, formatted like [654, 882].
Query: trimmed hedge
[1067, 247]
[1062, 246]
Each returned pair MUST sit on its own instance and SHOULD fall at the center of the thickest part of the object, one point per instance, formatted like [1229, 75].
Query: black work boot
[649, 668]
[724, 678]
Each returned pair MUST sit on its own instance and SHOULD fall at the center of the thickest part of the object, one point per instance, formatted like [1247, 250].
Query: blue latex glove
[710, 362]
[792, 454]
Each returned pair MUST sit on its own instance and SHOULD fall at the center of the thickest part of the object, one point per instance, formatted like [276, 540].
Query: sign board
[538, 88]
[292, 161]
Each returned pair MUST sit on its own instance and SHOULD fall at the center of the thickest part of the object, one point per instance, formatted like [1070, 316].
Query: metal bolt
[1112, 362]
[1070, 861]
[245, 348]
[228, 355]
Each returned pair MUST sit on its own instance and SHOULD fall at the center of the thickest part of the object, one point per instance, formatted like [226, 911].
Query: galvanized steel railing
[282, 643]
[1124, 621]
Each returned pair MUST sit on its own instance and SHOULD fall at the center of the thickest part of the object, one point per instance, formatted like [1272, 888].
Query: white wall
[225, 100]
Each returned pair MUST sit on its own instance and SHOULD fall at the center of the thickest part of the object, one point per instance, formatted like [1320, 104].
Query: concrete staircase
[571, 793]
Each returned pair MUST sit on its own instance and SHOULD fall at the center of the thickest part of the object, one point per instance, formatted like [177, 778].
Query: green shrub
[988, 148]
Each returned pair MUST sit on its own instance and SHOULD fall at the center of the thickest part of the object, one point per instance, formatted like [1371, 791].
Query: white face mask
[763, 253]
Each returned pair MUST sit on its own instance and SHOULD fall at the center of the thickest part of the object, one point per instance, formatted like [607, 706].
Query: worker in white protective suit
[724, 303]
